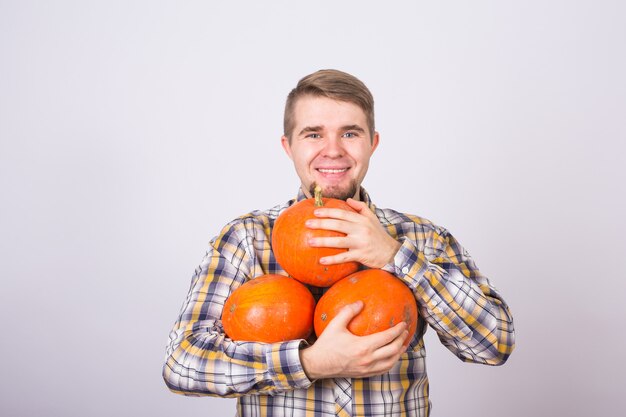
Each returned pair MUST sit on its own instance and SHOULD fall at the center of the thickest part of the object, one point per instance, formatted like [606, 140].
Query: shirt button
[405, 270]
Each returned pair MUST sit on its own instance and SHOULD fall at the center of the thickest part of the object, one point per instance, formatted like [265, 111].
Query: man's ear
[284, 141]
[375, 141]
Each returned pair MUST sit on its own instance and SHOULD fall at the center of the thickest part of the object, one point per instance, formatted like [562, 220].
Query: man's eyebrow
[315, 129]
[353, 127]
[308, 129]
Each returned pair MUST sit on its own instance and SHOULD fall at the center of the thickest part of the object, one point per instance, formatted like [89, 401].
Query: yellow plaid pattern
[454, 298]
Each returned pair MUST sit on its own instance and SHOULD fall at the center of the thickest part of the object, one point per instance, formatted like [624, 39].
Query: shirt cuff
[409, 264]
[285, 368]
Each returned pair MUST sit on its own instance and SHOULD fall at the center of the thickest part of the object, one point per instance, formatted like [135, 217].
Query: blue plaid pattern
[454, 298]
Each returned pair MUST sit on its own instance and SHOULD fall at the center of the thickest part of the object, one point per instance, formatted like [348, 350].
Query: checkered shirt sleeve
[200, 358]
[470, 317]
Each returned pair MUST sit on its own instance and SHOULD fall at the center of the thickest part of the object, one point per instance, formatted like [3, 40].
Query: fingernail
[317, 212]
[308, 223]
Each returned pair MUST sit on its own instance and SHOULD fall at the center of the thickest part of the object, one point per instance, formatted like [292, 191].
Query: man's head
[333, 84]
[329, 133]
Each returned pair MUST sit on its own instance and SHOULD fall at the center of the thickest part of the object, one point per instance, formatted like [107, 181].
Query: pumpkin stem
[318, 196]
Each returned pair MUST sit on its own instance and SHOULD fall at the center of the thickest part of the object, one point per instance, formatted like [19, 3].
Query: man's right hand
[339, 353]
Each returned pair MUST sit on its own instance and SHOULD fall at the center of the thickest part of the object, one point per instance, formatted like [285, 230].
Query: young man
[330, 136]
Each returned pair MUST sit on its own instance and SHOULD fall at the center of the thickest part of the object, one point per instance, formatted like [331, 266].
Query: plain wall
[132, 131]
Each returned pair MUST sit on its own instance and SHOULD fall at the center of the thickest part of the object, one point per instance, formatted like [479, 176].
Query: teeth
[332, 171]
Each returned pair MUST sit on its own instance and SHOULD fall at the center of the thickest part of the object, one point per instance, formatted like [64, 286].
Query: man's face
[330, 146]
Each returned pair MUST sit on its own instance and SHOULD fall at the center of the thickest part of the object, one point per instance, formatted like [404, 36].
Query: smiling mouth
[332, 170]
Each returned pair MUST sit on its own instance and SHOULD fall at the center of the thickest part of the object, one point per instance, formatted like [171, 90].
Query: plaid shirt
[454, 298]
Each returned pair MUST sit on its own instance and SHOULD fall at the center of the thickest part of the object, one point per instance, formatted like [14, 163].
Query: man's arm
[470, 317]
[201, 359]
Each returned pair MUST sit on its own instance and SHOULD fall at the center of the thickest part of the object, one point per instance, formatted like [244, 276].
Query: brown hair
[333, 84]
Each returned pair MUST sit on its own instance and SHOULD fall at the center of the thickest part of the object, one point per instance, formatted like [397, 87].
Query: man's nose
[334, 148]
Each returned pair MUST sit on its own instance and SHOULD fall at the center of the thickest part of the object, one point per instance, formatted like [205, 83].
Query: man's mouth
[332, 170]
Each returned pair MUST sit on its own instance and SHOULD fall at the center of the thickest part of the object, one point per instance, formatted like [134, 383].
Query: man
[330, 136]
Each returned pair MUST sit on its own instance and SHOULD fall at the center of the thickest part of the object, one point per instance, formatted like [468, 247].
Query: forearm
[470, 317]
[201, 359]
[206, 362]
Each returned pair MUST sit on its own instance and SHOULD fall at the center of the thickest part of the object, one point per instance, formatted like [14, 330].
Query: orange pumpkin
[271, 308]
[387, 301]
[290, 239]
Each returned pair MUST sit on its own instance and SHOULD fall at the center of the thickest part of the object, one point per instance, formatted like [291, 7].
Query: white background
[132, 131]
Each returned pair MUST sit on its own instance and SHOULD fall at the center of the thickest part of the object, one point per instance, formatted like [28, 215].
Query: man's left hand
[366, 240]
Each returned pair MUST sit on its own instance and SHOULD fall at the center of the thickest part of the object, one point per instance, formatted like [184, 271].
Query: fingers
[339, 353]
[329, 242]
[366, 241]
[393, 349]
[360, 207]
[378, 358]
[343, 226]
[340, 258]
[387, 336]
[345, 315]
[335, 213]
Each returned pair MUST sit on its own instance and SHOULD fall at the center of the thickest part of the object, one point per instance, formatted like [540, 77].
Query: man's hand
[339, 353]
[366, 240]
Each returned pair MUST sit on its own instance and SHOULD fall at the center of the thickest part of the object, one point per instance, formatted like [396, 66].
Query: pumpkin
[387, 301]
[271, 308]
[290, 244]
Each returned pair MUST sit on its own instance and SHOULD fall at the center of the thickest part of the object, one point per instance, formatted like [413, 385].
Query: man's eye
[350, 135]
[313, 135]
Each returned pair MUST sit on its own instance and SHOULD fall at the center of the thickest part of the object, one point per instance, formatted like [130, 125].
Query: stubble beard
[336, 191]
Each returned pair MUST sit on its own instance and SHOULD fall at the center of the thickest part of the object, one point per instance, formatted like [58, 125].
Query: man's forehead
[320, 111]
[315, 100]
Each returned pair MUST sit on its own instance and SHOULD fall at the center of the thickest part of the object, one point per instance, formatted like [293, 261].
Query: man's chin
[338, 192]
